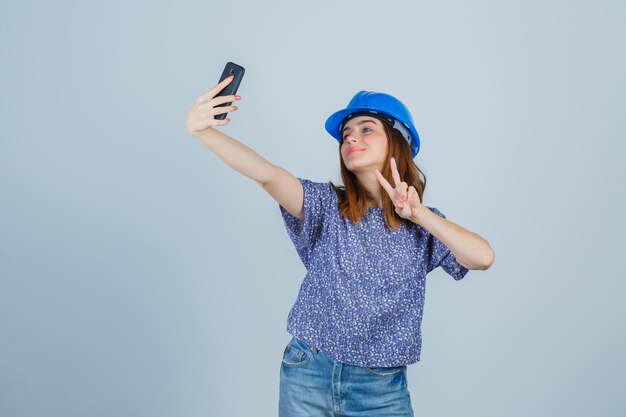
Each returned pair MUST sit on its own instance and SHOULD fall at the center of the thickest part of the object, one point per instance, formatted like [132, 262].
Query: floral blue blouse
[362, 298]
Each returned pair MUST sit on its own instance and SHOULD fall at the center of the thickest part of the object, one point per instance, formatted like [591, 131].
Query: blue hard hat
[381, 105]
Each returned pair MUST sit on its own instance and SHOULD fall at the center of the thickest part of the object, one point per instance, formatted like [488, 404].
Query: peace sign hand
[404, 198]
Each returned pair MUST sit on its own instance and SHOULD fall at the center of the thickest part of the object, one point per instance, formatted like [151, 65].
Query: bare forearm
[237, 155]
[469, 249]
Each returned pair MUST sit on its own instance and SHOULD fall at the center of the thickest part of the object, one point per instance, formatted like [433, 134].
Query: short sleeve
[440, 255]
[304, 233]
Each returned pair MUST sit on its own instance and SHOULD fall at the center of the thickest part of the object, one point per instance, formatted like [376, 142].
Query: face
[364, 144]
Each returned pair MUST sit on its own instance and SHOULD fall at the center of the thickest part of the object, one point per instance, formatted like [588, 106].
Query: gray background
[142, 276]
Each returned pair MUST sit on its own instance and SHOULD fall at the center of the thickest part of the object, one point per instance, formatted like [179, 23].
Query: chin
[357, 169]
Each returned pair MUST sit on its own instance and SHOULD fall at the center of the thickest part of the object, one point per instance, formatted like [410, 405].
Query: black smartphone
[230, 69]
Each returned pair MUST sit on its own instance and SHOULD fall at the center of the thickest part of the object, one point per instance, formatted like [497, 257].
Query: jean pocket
[386, 371]
[295, 354]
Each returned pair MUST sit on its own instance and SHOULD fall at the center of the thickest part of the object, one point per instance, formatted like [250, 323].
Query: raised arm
[285, 188]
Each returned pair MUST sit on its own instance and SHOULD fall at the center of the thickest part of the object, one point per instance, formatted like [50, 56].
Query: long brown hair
[352, 197]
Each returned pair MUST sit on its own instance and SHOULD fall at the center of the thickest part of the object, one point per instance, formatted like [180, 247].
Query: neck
[370, 184]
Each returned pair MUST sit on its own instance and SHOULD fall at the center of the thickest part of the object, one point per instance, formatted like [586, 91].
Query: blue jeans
[313, 385]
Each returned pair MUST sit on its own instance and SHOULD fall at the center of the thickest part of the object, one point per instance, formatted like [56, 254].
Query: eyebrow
[359, 123]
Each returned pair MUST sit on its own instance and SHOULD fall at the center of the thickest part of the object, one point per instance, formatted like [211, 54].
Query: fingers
[394, 193]
[217, 101]
[401, 186]
[411, 202]
[412, 194]
[220, 100]
[406, 197]
[201, 115]
[219, 110]
[384, 183]
[210, 108]
[216, 89]
[394, 172]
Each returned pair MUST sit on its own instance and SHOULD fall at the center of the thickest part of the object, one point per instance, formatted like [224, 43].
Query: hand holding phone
[237, 71]
[204, 112]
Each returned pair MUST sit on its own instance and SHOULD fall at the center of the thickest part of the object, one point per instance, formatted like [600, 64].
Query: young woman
[367, 247]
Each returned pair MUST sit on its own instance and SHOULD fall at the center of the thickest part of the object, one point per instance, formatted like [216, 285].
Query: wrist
[202, 134]
[419, 215]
